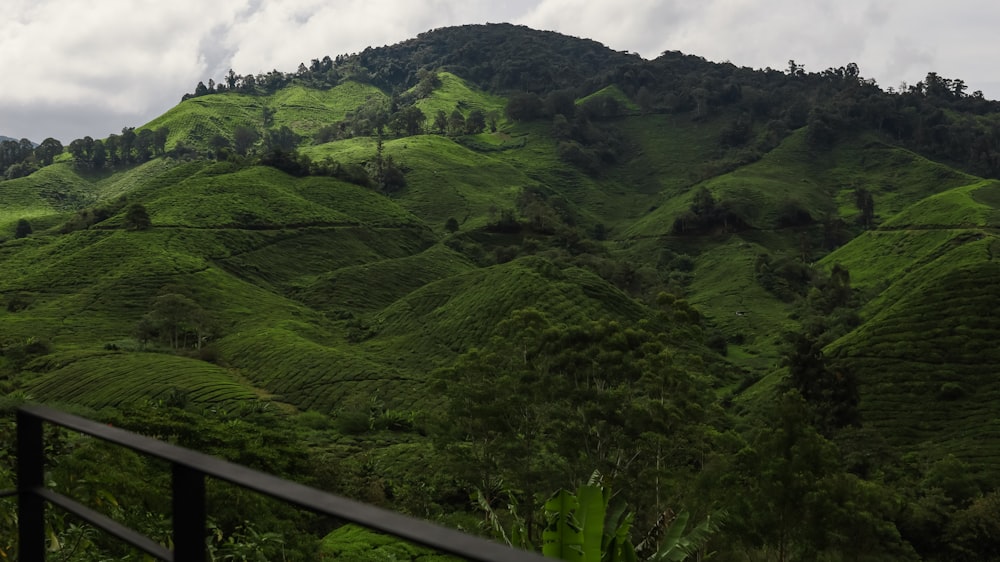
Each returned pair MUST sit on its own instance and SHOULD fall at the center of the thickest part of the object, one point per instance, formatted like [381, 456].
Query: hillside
[493, 235]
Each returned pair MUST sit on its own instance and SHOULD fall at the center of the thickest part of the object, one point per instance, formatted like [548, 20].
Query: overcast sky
[72, 68]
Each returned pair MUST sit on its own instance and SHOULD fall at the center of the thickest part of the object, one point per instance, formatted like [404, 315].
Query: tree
[136, 218]
[127, 143]
[451, 225]
[78, 150]
[413, 120]
[173, 317]
[282, 138]
[160, 139]
[243, 139]
[441, 121]
[220, 145]
[561, 102]
[409, 120]
[524, 107]
[143, 145]
[427, 82]
[791, 499]
[48, 150]
[20, 170]
[23, 228]
[456, 122]
[830, 389]
[975, 531]
[112, 145]
[865, 203]
[542, 402]
[98, 156]
[492, 118]
[476, 122]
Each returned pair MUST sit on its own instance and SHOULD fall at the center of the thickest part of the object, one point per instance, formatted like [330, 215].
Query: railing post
[189, 514]
[30, 476]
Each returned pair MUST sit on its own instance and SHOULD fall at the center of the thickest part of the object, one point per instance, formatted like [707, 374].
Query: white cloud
[113, 52]
[641, 26]
[261, 41]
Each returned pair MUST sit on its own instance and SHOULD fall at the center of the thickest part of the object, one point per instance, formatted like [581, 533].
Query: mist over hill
[488, 261]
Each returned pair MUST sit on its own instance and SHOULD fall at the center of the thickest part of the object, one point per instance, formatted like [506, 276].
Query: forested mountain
[489, 261]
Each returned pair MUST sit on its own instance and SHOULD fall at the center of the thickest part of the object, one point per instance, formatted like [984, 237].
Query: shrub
[137, 218]
[717, 342]
[23, 229]
[951, 391]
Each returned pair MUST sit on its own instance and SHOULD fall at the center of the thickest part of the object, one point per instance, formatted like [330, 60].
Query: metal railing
[189, 471]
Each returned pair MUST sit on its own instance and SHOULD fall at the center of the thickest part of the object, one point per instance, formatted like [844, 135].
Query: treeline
[377, 116]
[936, 116]
[21, 158]
[130, 147]
[321, 73]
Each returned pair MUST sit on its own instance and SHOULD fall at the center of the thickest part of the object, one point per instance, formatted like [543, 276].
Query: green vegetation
[455, 276]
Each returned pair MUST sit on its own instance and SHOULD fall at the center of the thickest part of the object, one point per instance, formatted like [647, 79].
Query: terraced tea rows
[927, 360]
[127, 379]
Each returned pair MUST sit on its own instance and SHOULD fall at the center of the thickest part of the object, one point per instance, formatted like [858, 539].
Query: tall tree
[112, 145]
[456, 122]
[127, 144]
[160, 140]
[865, 203]
[98, 156]
[48, 150]
[282, 138]
[476, 122]
[441, 121]
[243, 139]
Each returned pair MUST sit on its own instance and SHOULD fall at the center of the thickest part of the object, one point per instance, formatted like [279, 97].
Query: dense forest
[491, 272]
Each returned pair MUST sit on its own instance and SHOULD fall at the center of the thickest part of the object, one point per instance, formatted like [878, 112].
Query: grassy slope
[455, 93]
[933, 270]
[445, 179]
[615, 93]
[121, 379]
[324, 290]
[820, 181]
[933, 327]
[89, 288]
[372, 285]
[44, 197]
[451, 315]
[195, 121]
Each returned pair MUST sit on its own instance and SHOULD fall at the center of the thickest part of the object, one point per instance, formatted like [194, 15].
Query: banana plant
[580, 527]
[586, 527]
[677, 546]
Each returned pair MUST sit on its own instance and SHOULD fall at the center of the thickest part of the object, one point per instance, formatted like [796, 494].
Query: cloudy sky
[72, 68]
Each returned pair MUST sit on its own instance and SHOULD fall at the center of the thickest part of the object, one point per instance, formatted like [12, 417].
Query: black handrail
[188, 487]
